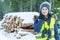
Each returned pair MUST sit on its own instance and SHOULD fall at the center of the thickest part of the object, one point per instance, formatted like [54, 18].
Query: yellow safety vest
[45, 25]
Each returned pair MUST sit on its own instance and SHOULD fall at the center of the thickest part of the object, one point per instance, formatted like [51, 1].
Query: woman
[45, 26]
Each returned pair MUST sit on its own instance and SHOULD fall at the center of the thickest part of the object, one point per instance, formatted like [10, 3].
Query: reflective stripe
[52, 22]
[52, 33]
[51, 38]
[42, 39]
[51, 27]
[46, 25]
[46, 38]
[41, 36]
[42, 28]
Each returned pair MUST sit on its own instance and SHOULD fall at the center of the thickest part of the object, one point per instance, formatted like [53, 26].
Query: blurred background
[7, 6]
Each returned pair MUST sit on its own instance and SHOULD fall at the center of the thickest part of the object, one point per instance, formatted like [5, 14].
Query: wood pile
[12, 22]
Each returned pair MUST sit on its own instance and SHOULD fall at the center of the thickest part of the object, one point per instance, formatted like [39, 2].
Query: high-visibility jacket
[46, 31]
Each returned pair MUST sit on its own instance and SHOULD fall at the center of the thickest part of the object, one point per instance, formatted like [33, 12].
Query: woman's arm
[56, 31]
[36, 26]
[36, 23]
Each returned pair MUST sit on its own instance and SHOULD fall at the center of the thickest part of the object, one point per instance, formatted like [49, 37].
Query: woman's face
[45, 11]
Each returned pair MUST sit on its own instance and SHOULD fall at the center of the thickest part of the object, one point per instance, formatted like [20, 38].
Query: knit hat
[45, 4]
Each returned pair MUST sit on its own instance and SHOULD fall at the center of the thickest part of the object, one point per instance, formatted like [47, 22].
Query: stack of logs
[12, 22]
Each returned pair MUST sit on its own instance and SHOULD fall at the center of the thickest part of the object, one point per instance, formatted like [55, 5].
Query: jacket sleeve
[56, 31]
[36, 26]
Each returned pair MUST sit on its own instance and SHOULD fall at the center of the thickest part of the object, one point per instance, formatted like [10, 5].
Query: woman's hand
[35, 17]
